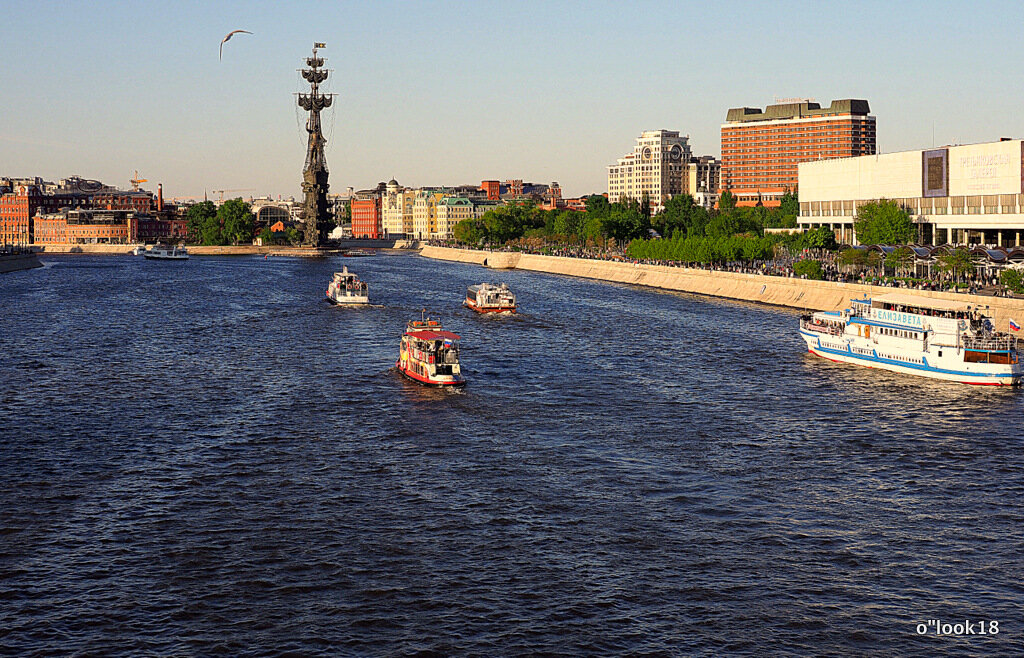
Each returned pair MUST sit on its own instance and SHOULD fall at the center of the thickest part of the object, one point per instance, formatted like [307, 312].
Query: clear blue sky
[452, 93]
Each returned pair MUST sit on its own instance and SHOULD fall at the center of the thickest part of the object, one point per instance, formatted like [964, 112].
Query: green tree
[789, 204]
[211, 231]
[809, 268]
[785, 216]
[675, 215]
[883, 222]
[1012, 280]
[854, 258]
[727, 201]
[470, 231]
[597, 205]
[818, 238]
[294, 235]
[237, 221]
[900, 259]
[625, 224]
[956, 263]
[197, 217]
[593, 228]
[568, 224]
[723, 224]
[266, 236]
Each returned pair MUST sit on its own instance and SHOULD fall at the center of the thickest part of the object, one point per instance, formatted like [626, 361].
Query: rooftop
[802, 110]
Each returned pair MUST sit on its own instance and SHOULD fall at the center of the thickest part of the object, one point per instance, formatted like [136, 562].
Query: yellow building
[424, 213]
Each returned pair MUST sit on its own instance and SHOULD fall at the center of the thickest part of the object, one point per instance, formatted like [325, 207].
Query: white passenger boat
[139, 251]
[346, 288]
[165, 252]
[487, 298]
[916, 335]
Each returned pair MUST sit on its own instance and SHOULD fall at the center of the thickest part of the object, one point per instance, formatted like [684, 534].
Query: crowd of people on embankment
[781, 267]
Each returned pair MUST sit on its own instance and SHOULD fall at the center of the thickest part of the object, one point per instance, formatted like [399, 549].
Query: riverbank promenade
[793, 292]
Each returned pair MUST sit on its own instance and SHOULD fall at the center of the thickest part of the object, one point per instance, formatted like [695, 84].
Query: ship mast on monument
[316, 216]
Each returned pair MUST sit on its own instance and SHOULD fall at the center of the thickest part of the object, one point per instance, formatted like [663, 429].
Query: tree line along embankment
[781, 291]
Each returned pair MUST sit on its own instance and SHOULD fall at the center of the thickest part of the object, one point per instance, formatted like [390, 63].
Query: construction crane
[135, 181]
[239, 189]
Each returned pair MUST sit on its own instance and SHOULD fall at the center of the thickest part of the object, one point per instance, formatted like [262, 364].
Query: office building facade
[965, 194]
[656, 169]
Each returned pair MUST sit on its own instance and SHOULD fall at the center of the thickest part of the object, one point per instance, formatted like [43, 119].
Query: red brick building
[20, 207]
[492, 189]
[123, 200]
[158, 227]
[51, 228]
[761, 150]
[366, 214]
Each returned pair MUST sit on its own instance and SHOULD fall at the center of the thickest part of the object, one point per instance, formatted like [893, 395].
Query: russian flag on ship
[1014, 325]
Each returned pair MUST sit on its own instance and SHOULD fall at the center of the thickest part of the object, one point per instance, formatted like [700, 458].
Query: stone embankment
[782, 291]
[83, 248]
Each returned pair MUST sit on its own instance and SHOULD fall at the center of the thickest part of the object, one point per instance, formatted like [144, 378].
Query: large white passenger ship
[916, 335]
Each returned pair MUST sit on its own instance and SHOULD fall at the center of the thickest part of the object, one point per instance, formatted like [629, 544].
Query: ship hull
[489, 309]
[429, 381]
[348, 301]
[18, 262]
[842, 351]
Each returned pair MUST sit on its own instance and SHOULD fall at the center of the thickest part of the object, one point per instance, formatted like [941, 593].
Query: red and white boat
[488, 298]
[430, 355]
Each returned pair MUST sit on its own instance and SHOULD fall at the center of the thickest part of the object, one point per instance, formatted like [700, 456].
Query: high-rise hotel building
[761, 150]
[655, 169]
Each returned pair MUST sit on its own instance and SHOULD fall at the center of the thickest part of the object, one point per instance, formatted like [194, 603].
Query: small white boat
[164, 252]
[346, 288]
[487, 298]
[139, 251]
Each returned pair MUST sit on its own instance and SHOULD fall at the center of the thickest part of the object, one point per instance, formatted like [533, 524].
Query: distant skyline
[453, 93]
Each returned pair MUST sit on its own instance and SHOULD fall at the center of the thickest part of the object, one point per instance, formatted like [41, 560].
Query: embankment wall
[83, 248]
[794, 293]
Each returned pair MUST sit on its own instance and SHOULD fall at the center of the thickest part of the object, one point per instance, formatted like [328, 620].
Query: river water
[206, 458]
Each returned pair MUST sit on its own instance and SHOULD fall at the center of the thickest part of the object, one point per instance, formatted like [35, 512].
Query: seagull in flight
[225, 39]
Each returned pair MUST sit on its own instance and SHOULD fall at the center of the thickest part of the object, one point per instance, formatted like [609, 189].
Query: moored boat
[916, 335]
[14, 259]
[167, 252]
[346, 288]
[430, 355]
[488, 298]
[140, 250]
[355, 253]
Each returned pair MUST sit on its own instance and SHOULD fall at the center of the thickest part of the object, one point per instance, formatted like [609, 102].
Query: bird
[225, 39]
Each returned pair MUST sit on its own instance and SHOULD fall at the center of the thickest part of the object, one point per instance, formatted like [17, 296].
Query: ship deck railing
[1001, 344]
[821, 328]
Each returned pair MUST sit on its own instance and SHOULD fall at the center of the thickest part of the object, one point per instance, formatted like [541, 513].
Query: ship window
[974, 356]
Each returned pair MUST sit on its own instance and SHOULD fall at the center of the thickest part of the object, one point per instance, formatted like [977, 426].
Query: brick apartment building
[366, 213]
[761, 149]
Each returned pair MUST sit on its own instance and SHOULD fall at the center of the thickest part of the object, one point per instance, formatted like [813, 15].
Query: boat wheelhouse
[488, 298]
[346, 288]
[430, 355]
[916, 335]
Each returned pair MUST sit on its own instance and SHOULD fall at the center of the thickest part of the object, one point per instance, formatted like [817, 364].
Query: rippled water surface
[206, 458]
